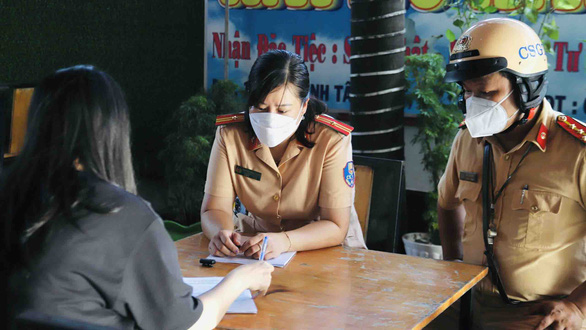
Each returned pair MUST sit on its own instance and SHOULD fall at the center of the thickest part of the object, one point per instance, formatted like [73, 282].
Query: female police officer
[288, 163]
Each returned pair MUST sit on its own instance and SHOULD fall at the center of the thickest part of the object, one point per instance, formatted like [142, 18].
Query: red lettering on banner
[316, 53]
[310, 52]
[263, 44]
[574, 59]
[561, 48]
[299, 42]
[321, 51]
[237, 50]
[559, 58]
[246, 51]
[416, 50]
[347, 50]
[218, 45]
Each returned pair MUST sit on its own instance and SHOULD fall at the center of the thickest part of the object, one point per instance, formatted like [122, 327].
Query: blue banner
[318, 30]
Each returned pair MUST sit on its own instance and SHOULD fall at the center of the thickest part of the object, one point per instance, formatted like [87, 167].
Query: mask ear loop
[506, 97]
[303, 102]
[516, 123]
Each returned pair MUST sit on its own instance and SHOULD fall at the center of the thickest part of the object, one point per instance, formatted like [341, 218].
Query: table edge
[450, 301]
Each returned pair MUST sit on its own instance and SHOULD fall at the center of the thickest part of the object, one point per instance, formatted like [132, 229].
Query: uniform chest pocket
[541, 211]
[469, 194]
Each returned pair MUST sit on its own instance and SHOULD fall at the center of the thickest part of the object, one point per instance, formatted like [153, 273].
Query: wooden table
[345, 288]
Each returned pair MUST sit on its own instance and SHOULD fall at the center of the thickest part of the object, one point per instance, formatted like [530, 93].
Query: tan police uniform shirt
[287, 196]
[541, 242]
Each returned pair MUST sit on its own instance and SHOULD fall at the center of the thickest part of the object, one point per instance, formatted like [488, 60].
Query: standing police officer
[513, 196]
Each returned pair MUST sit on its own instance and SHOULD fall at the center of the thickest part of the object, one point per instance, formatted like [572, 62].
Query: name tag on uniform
[469, 176]
[247, 173]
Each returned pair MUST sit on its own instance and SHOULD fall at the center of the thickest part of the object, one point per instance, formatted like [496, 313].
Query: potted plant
[438, 122]
[227, 97]
[189, 144]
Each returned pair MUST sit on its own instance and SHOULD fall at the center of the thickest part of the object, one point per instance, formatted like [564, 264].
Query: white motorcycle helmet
[501, 44]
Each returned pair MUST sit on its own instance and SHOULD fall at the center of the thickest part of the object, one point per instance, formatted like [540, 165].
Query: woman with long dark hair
[76, 240]
[288, 163]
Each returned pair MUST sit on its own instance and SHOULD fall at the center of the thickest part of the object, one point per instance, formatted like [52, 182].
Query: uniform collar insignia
[254, 144]
[541, 138]
[539, 133]
[301, 144]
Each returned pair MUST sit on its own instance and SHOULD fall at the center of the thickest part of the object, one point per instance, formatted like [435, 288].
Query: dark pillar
[377, 65]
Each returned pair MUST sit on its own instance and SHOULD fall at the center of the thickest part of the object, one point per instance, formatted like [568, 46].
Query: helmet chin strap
[526, 114]
[530, 116]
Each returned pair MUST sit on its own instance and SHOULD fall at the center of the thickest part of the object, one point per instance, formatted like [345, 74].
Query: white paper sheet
[244, 304]
[280, 261]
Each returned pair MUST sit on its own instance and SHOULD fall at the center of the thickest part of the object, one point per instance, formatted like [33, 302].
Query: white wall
[416, 178]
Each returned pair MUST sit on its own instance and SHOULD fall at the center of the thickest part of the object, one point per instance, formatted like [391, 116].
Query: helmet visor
[466, 70]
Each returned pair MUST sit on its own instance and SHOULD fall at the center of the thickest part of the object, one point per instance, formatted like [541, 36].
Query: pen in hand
[263, 251]
[263, 248]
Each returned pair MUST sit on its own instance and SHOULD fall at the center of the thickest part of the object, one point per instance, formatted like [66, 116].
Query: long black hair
[278, 68]
[77, 115]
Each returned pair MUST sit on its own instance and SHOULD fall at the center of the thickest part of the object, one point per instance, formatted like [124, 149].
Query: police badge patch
[462, 44]
[349, 174]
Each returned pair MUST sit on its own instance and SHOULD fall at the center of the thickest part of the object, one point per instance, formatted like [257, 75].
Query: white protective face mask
[271, 128]
[485, 117]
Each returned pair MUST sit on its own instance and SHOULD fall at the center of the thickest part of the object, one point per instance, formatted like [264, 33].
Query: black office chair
[385, 206]
[33, 320]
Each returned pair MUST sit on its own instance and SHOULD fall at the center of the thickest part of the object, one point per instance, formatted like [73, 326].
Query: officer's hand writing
[257, 275]
[277, 244]
[562, 314]
[225, 243]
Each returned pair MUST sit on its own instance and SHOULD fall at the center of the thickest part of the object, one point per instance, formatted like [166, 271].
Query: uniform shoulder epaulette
[229, 119]
[334, 124]
[572, 126]
[462, 125]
